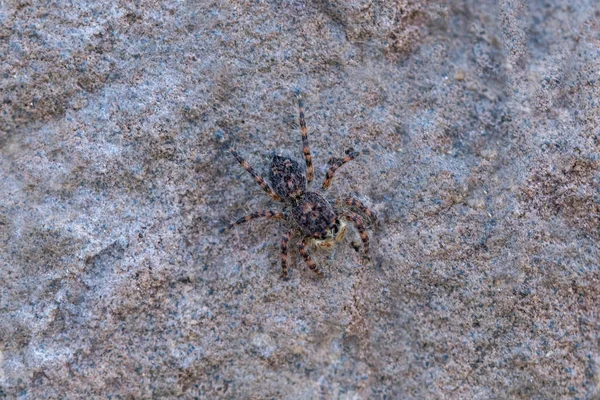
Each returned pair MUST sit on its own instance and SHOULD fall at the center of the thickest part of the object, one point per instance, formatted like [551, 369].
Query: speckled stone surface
[480, 122]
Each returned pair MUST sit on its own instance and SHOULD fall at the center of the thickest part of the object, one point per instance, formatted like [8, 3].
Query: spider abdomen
[287, 177]
[315, 216]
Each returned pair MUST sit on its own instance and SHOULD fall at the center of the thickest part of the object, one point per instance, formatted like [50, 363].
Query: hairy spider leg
[258, 214]
[310, 172]
[353, 202]
[358, 223]
[284, 249]
[335, 164]
[303, 250]
[257, 178]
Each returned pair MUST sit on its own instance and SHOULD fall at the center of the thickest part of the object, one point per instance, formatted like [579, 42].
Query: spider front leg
[284, 249]
[258, 214]
[336, 163]
[358, 222]
[353, 202]
[257, 178]
[303, 250]
[310, 172]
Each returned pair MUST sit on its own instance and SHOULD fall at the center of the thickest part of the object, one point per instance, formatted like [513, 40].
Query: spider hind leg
[257, 178]
[310, 171]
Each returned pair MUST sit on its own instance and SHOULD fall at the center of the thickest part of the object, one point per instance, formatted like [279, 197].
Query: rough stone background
[480, 120]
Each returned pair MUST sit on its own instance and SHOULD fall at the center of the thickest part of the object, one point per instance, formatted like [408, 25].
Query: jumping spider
[309, 213]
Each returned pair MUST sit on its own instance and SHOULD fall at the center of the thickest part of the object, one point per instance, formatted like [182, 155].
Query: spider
[309, 213]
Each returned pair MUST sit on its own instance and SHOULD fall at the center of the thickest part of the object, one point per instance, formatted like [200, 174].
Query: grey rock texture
[480, 122]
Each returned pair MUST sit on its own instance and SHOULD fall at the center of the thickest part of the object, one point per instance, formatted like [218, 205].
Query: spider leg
[284, 248]
[353, 202]
[258, 214]
[257, 178]
[303, 249]
[335, 163]
[310, 172]
[358, 222]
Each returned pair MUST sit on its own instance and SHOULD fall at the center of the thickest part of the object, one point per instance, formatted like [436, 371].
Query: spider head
[335, 233]
[287, 177]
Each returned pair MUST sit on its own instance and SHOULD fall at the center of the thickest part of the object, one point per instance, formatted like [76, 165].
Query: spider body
[309, 213]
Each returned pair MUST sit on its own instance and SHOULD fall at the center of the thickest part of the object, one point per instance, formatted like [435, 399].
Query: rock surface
[480, 122]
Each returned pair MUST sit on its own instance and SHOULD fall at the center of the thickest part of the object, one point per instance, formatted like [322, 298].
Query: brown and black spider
[309, 213]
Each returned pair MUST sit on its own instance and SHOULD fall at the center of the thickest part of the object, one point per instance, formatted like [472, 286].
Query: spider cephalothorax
[308, 213]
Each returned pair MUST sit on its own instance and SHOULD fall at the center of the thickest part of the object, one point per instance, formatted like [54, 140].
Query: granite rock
[479, 126]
